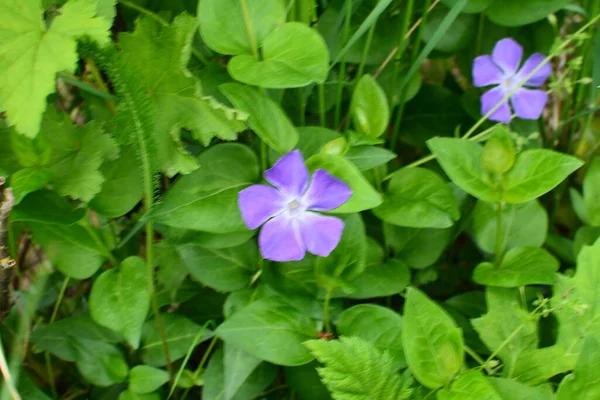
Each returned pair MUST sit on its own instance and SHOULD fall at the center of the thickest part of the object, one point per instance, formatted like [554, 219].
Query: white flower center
[295, 208]
[509, 84]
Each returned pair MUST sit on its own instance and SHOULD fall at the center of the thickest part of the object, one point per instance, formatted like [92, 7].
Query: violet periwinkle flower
[502, 69]
[291, 227]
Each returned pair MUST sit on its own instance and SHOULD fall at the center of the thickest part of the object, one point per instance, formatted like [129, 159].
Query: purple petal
[280, 240]
[485, 72]
[540, 76]
[326, 192]
[507, 55]
[492, 97]
[321, 234]
[529, 103]
[258, 203]
[289, 174]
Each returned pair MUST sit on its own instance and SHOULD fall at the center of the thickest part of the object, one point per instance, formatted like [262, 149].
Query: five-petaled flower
[502, 69]
[290, 226]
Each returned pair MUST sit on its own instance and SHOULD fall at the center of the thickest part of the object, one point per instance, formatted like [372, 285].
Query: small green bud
[499, 152]
[336, 147]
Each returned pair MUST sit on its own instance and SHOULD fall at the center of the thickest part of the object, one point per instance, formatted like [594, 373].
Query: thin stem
[301, 113]
[366, 49]
[50, 373]
[322, 105]
[144, 11]
[249, 31]
[499, 234]
[523, 297]
[476, 357]
[401, 43]
[61, 295]
[201, 365]
[106, 252]
[503, 344]
[342, 75]
[8, 381]
[326, 320]
[88, 87]
[264, 152]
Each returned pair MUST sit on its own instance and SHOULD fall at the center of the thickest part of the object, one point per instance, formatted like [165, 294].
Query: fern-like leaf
[357, 370]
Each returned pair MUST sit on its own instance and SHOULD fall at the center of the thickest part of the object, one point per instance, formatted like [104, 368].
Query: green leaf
[293, 55]
[356, 369]
[171, 270]
[459, 35]
[473, 6]
[122, 188]
[417, 247]
[240, 368]
[433, 345]
[217, 382]
[364, 196]
[524, 224]
[522, 12]
[470, 385]
[536, 172]
[348, 260]
[510, 389]
[520, 266]
[506, 327]
[380, 279]
[226, 269]
[377, 325]
[270, 330]
[180, 332]
[591, 193]
[129, 395]
[46, 207]
[155, 60]
[28, 180]
[120, 299]
[461, 160]
[583, 383]
[31, 54]
[145, 379]
[267, 118]
[219, 16]
[207, 198]
[368, 157]
[418, 198]
[499, 151]
[305, 382]
[70, 247]
[99, 363]
[369, 107]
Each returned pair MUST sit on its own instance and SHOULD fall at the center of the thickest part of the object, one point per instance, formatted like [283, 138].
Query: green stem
[326, 317]
[499, 235]
[366, 49]
[9, 385]
[401, 40]
[61, 295]
[145, 11]
[476, 357]
[201, 365]
[50, 372]
[264, 152]
[342, 75]
[322, 105]
[94, 235]
[73, 80]
[301, 113]
[249, 30]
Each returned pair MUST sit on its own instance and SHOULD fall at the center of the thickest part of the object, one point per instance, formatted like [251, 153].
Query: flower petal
[485, 72]
[321, 234]
[507, 55]
[540, 76]
[529, 103]
[258, 203]
[326, 192]
[492, 97]
[289, 174]
[280, 240]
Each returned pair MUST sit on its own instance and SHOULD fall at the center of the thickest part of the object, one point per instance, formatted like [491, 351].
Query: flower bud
[499, 152]
[336, 147]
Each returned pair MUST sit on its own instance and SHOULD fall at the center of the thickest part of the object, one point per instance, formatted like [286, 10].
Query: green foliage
[355, 369]
[369, 108]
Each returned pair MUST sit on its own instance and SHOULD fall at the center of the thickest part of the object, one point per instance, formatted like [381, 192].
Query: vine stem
[61, 295]
[326, 320]
[499, 235]
[249, 31]
[212, 344]
[342, 74]
[476, 357]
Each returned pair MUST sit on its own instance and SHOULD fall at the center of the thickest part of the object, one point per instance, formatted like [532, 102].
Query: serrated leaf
[120, 299]
[583, 383]
[433, 345]
[28, 180]
[355, 369]
[31, 55]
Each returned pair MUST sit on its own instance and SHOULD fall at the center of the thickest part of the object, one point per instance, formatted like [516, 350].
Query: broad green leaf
[207, 239]
[583, 383]
[120, 299]
[155, 60]
[207, 198]
[377, 325]
[305, 382]
[357, 369]
[31, 54]
[171, 270]
[145, 379]
[364, 196]
[510, 389]
[243, 31]
[270, 330]
[226, 269]
[536, 172]
[418, 198]
[266, 118]
[28, 180]
[70, 247]
[46, 207]
[522, 12]
[461, 160]
[433, 345]
[506, 327]
[591, 192]
[473, 6]
[293, 55]
[180, 333]
[122, 188]
[369, 107]
[380, 279]
[216, 379]
[239, 368]
[471, 385]
[524, 224]
[459, 35]
[99, 363]
[520, 266]
[367, 157]
[130, 395]
[417, 247]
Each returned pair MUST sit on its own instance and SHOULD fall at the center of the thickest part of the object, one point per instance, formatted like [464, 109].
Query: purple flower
[502, 69]
[291, 227]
